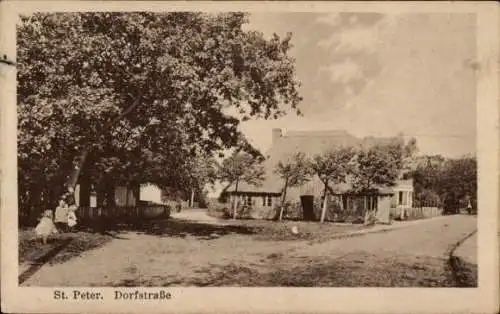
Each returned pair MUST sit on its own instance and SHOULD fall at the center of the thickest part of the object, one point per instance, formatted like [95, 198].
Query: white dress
[71, 219]
[45, 227]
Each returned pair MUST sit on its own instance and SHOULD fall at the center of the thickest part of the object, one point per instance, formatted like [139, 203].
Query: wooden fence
[125, 214]
[415, 213]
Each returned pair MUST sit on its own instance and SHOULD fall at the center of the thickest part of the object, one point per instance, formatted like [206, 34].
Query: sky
[380, 74]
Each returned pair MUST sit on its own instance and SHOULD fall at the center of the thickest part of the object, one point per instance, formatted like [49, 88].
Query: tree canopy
[333, 166]
[379, 164]
[241, 167]
[141, 93]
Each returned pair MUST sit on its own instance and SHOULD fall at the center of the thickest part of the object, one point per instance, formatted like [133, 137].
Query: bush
[427, 198]
[292, 211]
[334, 212]
[219, 210]
[175, 206]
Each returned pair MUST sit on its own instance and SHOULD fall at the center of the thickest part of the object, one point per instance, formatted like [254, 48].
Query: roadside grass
[260, 230]
[354, 270]
[266, 230]
[465, 274]
[31, 248]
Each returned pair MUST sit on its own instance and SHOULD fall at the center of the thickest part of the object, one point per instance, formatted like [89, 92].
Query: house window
[248, 200]
[400, 198]
[269, 201]
[372, 202]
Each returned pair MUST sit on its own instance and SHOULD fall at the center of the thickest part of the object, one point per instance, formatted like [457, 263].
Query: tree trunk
[110, 194]
[191, 201]
[73, 177]
[84, 196]
[127, 196]
[325, 204]
[34, 204]
[137, 195]
[100, 197]
[235, 203]
[283, 198]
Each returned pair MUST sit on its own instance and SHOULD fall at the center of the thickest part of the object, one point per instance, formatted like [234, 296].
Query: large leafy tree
[426, 180]
[294, 171]
[332, 167]
[439, 180]
[241, 167]
[378, 165]
[90, 85]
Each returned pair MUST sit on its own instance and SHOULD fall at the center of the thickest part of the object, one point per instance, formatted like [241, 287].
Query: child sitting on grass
[46, 226]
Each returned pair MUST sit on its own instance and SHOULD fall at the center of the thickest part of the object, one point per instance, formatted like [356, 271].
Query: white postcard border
[348, 300]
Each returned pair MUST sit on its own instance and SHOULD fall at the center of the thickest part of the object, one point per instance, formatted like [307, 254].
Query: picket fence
[123, 213]
[416, 213]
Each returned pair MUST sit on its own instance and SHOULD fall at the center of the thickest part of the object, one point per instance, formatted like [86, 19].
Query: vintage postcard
[336, 157]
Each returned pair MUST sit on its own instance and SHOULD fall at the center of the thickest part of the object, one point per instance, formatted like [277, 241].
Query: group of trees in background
[445, 182]
[125, 98]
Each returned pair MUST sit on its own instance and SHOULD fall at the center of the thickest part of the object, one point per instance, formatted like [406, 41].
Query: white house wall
[150, 193]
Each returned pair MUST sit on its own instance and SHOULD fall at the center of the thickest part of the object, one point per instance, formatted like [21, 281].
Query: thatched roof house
[266, 195]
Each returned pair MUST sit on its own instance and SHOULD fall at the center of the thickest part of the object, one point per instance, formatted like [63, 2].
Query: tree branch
[73, 178]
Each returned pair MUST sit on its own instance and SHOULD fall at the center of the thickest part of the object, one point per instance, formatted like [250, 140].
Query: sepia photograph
[245, 148]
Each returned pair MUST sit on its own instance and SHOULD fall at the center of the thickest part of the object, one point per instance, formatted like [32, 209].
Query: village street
[411, 255]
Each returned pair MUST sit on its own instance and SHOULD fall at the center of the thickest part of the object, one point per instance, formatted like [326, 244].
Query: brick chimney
[276, 135]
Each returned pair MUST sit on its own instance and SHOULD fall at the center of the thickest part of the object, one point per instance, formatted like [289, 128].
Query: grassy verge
[465, 274]
[353, 270]
[260, 230]
[282, 231]
[31, 248]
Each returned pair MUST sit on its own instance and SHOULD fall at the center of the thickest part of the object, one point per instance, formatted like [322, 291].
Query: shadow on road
[42, 260]
[173, 228]
[183, 228]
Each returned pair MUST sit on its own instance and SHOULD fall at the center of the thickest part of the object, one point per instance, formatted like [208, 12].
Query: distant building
[124, 197]
[264, 198]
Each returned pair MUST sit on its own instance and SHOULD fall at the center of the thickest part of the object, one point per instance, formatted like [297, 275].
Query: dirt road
[410, 256]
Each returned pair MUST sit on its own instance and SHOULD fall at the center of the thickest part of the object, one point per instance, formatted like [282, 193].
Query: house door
[307, 202]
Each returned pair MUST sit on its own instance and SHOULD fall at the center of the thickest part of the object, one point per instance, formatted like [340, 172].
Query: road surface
[415, 255]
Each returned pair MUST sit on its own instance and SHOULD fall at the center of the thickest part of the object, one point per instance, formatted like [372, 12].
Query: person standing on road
[61, 216]
[469, 208]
